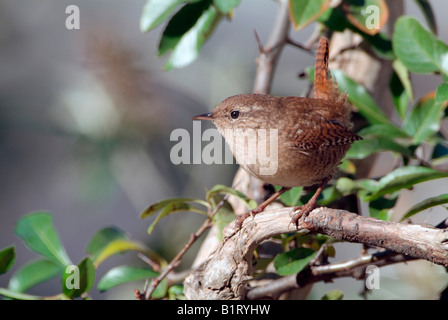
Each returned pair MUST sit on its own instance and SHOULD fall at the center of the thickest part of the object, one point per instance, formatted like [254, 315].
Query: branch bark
[227, 270]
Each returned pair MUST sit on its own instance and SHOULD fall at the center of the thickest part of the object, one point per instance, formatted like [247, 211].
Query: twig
[269, 55]
[176, 260]
[354, 268]
[154, 265]
[300, 46]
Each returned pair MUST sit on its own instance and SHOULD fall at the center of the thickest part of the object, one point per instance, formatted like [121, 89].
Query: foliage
[188, 25]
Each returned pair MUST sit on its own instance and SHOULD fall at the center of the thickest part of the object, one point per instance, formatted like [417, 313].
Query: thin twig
[176, 260]
[300, 46]
[154, 265]
[354, 268]
[268, 58]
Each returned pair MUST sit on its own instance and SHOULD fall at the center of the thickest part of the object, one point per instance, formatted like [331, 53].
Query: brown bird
[288, 141]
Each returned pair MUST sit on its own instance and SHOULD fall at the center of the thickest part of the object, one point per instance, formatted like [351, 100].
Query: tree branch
[225, 273]
[268, 58]
[354, 268]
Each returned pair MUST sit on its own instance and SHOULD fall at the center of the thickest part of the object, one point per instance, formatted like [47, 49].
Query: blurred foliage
[188, 25]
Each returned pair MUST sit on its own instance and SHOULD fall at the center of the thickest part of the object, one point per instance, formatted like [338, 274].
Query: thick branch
[225, 273]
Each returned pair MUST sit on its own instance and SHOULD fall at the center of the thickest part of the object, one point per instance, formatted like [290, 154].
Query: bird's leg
[300, 213]
[240, 219]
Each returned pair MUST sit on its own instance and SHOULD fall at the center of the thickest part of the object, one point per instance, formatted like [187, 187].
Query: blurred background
[86, 117]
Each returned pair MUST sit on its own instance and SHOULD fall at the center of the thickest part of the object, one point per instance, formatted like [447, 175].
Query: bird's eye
[234, 114]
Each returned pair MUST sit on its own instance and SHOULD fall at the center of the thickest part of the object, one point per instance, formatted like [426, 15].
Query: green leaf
[426, 204]
[293, 261]
[170, 202]
[359, 96]
[399, 95]
[124, 274]
[385, 131]
[303, 12]
[403, 74]
[156, 11]
[431, 121]
[176, 292]
[403, 178]
[226, 6]
[334, 19]
[222, 189]
[37, 231]
[111, 241]
[364, 148]
[415, 117]
[291, 198]
[425, 6]
[223, 217]
[333, 295]
[78, 280]
[186, 33]
[381, 208]
[329, 195]
[17, 295]
[7, 257]
[172, 205]
[419, 50]
[369, 22]
[34, 273]
[173, 208]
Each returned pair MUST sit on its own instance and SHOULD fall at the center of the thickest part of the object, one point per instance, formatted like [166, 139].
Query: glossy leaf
[124, 274]
[170, 206]
[223, 217]
[381, 130]
[431, 121]
[426, 204]
[414, 118]
[79, 280]
[399, 95]
[291, 198]
[369, 16]
[111, 241]
[173, 208]
[403, 74]
[179, 25]
[187, 31]
[169, 202]
[7, 257]
[222, 189]
[226, 6]
[359, 96]
[18, 295]
[364, 148]
[156, 11]
[293, 261]
[34, 273]
[403, 178]
[303, 12]
[381, 208]
[37, 231]
[328, 195]
[419, 50]
[333, 295]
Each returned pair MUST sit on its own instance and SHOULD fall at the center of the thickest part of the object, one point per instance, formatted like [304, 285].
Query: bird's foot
[251, 213]
[299, 214]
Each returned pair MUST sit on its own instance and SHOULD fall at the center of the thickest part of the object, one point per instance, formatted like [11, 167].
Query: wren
[309, 136]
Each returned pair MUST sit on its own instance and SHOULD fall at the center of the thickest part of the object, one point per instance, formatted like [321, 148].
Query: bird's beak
[205, 116]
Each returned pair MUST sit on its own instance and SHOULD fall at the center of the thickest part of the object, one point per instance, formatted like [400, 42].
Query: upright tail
[324, 85]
